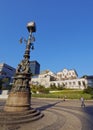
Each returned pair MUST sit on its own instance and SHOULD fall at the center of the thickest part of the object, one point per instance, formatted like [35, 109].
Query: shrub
[88, 90]
[39, 88]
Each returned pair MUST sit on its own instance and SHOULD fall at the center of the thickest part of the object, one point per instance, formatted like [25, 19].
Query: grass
[69, 94]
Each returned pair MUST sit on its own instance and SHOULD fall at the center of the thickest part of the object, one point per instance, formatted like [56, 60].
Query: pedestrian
[64, 98]
[82, 102]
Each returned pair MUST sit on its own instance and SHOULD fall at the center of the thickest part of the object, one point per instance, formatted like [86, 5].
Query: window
[79, 83]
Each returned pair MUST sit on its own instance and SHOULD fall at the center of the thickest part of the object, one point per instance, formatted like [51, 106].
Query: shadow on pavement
[42, 108]
[89, 110]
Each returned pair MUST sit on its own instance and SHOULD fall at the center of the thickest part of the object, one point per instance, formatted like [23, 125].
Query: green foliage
[88, 90]
[61, 92]
[8, 87]
[69, 94]
[4, 84]
[59, 87]
[53, 87]
[33, 88]
[39, 88]
[42, 89]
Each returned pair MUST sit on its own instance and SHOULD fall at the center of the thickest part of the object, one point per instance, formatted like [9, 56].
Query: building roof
[44, 71]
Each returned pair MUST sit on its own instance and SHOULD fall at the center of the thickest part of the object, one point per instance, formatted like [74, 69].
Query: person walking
[64, 98]
[82, 102]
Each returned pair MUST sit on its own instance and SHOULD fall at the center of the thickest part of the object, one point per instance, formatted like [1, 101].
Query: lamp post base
[18, 101]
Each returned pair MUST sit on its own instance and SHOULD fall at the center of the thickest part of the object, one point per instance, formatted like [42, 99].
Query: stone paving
[59, 115]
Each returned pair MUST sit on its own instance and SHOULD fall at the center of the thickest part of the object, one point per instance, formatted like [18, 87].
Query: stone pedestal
[18, 101]
[19, 98]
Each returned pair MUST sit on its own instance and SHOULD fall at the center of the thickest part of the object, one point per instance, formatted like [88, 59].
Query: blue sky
[64, 36]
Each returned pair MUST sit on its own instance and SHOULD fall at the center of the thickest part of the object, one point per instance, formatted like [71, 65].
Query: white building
[43, 78]
[65, 78]
[67, 74]
[79, 83]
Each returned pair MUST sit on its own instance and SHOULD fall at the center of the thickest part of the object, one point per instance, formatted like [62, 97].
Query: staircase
[8, 118]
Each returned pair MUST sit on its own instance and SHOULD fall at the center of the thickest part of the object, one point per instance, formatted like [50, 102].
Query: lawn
[69, 94]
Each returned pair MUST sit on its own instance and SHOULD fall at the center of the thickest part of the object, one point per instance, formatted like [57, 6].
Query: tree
[5, 83]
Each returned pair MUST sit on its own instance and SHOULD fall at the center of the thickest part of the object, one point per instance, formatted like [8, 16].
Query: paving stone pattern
[58, 115]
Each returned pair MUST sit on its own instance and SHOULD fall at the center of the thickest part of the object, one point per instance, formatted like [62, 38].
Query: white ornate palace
[65, 78]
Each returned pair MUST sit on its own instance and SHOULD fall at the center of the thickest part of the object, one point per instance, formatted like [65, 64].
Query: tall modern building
[6, 71]
[35, 67]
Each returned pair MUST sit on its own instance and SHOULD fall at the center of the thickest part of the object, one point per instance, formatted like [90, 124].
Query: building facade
[6, 71]
[35, 67]
[65, 78]
[44, 78]
[67, 74]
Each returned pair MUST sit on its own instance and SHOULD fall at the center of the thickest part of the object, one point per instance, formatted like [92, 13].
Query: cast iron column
[19, 98]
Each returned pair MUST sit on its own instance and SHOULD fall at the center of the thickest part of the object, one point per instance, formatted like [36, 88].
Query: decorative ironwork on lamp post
[23, 71]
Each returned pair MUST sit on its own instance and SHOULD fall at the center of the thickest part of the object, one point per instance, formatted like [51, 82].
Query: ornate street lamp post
[19, 98]
[18, 107]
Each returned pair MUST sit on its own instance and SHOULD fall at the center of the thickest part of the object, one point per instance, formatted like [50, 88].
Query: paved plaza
[58, 115]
